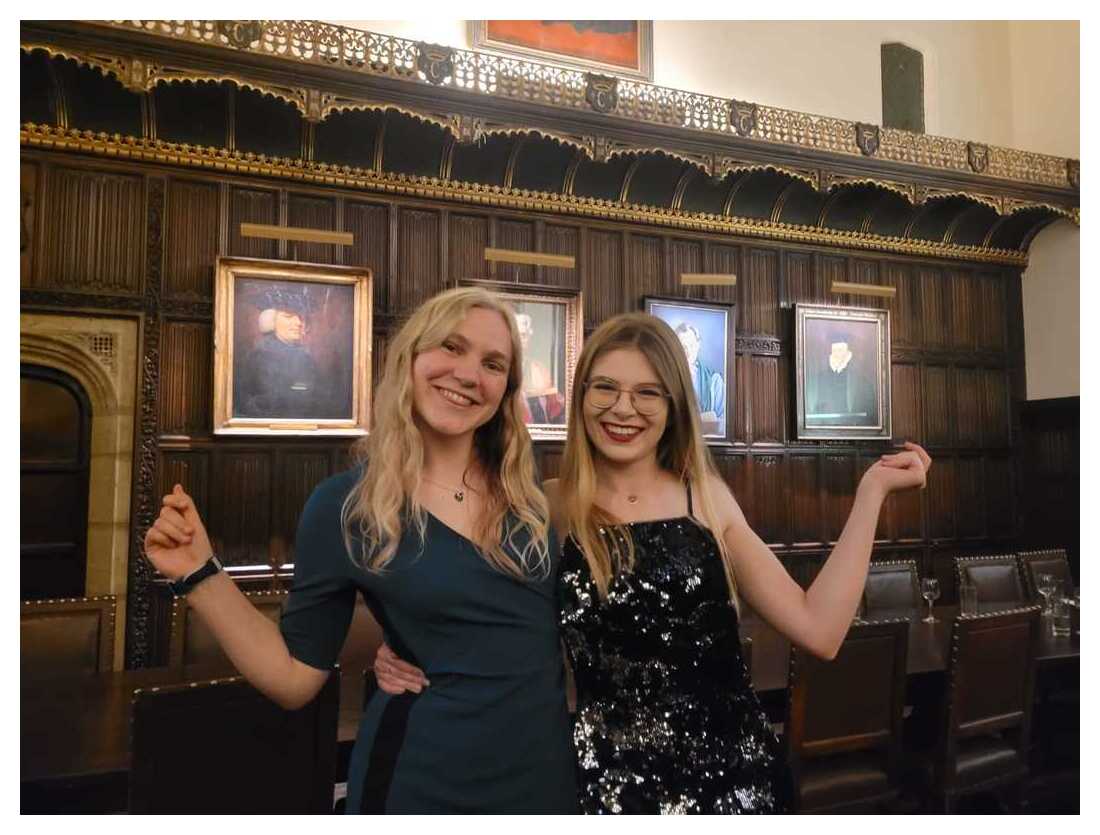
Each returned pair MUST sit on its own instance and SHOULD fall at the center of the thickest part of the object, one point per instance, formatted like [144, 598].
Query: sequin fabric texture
[667, 721]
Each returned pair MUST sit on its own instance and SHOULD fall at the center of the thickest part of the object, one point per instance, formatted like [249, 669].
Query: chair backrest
[997, 578]
[67, 636]
[1050, 561]
[892, 584]
[222, 747]
[190, 641]
[853, 702]
[991, 676]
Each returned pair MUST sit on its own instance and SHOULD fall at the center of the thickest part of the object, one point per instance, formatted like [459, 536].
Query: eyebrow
[616, 382]
[493, 354]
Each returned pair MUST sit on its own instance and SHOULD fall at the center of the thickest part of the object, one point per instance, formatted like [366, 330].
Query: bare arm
[176, 545]
[817, 619]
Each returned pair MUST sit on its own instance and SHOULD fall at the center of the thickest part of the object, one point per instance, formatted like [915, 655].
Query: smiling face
[619, 434]
[458, 385]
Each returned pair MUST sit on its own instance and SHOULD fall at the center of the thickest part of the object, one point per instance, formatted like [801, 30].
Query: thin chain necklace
[458, 494]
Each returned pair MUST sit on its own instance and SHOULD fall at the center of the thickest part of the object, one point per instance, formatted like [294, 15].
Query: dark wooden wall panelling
[957, 363]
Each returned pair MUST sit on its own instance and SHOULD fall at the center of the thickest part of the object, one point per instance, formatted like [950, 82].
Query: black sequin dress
[667, 720]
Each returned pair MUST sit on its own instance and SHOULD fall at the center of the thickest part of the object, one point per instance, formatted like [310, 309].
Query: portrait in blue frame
[706, 331]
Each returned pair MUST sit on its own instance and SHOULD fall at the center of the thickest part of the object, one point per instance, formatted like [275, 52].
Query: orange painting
[612, 42]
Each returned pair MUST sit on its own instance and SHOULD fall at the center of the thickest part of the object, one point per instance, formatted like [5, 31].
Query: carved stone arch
[100, 353]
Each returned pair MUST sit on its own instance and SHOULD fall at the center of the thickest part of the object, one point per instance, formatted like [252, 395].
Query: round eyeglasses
[603, 394]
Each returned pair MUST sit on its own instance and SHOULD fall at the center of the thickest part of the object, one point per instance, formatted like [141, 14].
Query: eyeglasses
[603, 394]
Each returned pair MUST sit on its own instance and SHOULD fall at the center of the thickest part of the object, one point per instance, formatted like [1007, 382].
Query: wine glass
[929, 590]
[1046, 585]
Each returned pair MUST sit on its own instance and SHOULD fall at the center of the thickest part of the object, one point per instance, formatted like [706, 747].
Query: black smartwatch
[183, 585]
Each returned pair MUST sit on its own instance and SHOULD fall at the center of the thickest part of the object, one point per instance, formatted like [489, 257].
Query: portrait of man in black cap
[841, 373]
[293, 360]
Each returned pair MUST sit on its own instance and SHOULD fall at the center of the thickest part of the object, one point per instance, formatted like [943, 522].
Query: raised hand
[177, 543]
[900, 471]
[396, 676]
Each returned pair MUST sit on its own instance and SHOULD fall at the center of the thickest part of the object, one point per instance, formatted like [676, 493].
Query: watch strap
[184, 585]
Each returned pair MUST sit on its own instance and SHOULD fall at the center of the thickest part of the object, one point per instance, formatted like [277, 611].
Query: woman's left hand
[900, 471]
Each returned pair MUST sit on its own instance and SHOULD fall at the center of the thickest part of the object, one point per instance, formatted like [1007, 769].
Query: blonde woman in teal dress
[443, 530]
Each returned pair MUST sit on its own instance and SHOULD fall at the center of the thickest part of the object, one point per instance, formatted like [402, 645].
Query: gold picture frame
[842, 373]
[292, 348]
[551, 322]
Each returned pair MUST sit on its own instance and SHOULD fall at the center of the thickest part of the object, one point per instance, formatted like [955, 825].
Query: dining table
[75, 730]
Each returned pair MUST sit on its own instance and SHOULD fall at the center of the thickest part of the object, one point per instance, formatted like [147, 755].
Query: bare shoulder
[722, 500]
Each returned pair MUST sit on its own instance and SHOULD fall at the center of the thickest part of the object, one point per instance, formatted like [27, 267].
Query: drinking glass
[1061, 618]
[968, 599]
[929, 590]
[1046, 585]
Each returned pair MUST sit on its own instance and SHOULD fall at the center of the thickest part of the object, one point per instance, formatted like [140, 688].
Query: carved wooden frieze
[868, 138]
[742, 117]
[978, 156]
[436, 62]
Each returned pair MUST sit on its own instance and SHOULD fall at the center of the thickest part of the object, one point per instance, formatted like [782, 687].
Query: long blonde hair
[384, 500]
[681, 449]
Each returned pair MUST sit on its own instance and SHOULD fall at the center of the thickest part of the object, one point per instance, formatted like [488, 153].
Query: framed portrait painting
[550, 322]
[292, 348]
[842, 362]
[616, 47]
[707, 332]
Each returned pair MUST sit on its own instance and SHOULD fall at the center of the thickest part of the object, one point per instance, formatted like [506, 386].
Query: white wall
[989, 81]
[1052, 313]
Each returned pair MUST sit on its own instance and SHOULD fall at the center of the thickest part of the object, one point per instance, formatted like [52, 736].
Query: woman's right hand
[396, 676]
[177, 543]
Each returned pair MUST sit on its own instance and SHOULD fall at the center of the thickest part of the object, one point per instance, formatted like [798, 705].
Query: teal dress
[492, 732]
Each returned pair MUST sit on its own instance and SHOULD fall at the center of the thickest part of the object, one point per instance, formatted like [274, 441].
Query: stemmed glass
[1046, 585]
[929, 590]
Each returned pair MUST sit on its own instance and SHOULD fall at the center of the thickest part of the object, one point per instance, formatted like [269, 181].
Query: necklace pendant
[632, 499]
[460, 495]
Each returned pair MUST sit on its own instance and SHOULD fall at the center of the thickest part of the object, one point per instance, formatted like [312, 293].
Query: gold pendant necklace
[457, 494]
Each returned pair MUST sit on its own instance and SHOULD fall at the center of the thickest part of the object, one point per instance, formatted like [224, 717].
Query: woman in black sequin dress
[657, 551]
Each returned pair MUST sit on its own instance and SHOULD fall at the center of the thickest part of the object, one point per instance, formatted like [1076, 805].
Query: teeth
[458, 399]
[623, 431]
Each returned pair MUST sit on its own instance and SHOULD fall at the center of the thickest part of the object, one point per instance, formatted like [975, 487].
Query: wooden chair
[997, 578]
[191, 642]
[984, 732]
[1050, 561]
[67, 636]
[892, 585]
[222, 747]
[843, 727]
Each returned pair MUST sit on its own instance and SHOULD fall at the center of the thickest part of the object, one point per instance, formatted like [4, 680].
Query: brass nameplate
[294, 233]
[864, 289]
[709, 279]
[539, 259]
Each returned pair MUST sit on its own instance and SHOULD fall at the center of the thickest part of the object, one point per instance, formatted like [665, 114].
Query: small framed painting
[707, 332]
[551, 328]
[842, 367]
[617, 47]
[292, 348]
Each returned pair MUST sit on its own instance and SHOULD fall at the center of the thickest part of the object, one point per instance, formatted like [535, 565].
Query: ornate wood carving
[309, 212]
[92, 232]
[186, 379]
[767, 405]
[978, 156]
[868, 138]
[249, 205]
[191, 239]
[805, 500]
[421, 275]
[742, 116]
[761, 293]
[602, 278]
[140, 644]
[436, 62]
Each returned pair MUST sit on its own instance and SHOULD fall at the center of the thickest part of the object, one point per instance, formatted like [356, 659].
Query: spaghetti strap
[690, 511]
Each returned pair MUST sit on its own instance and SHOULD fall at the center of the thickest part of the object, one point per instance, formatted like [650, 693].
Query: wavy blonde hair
[383, 501]
[681, 449]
